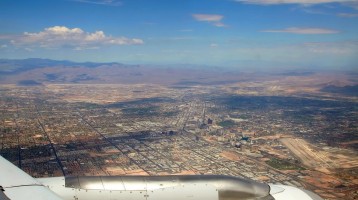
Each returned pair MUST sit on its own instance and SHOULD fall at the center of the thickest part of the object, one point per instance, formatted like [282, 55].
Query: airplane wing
[285, 192]
[17, 185]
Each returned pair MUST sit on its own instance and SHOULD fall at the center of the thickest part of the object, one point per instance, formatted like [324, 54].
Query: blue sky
[234, 33]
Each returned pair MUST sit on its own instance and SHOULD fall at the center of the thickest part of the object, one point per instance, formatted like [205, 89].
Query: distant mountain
[11, 66]
[29, 83]
[304, 73]
[39, 72]
[346, 90]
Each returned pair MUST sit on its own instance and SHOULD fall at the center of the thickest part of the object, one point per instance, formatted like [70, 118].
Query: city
[229, 99]
[138, 129]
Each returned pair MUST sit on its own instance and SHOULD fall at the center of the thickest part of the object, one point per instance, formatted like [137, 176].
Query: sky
[310, 34]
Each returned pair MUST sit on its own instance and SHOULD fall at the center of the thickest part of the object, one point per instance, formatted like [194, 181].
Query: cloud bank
[295, 30]
[101, 2]
[305, 2]
[333, 48]
[76, 38]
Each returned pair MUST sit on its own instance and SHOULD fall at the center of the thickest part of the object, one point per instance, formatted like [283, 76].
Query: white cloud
[3, 46]
[214, 45]
[353, 4]
[208, 18]
[296, 30]
[76, 38]
[311, 10]
[29, 49]
[347, 14]
[180, 38]
[304, 2]
[219, 24]
[101, 2]
[212, 19]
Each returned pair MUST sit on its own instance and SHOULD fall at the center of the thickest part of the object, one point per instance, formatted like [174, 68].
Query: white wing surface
[17, 185]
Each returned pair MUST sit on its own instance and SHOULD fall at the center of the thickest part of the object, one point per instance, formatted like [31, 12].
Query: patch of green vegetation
[283, 164]
[227, 123]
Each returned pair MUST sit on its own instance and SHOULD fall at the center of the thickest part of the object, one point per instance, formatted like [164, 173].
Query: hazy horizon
[243, 33]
